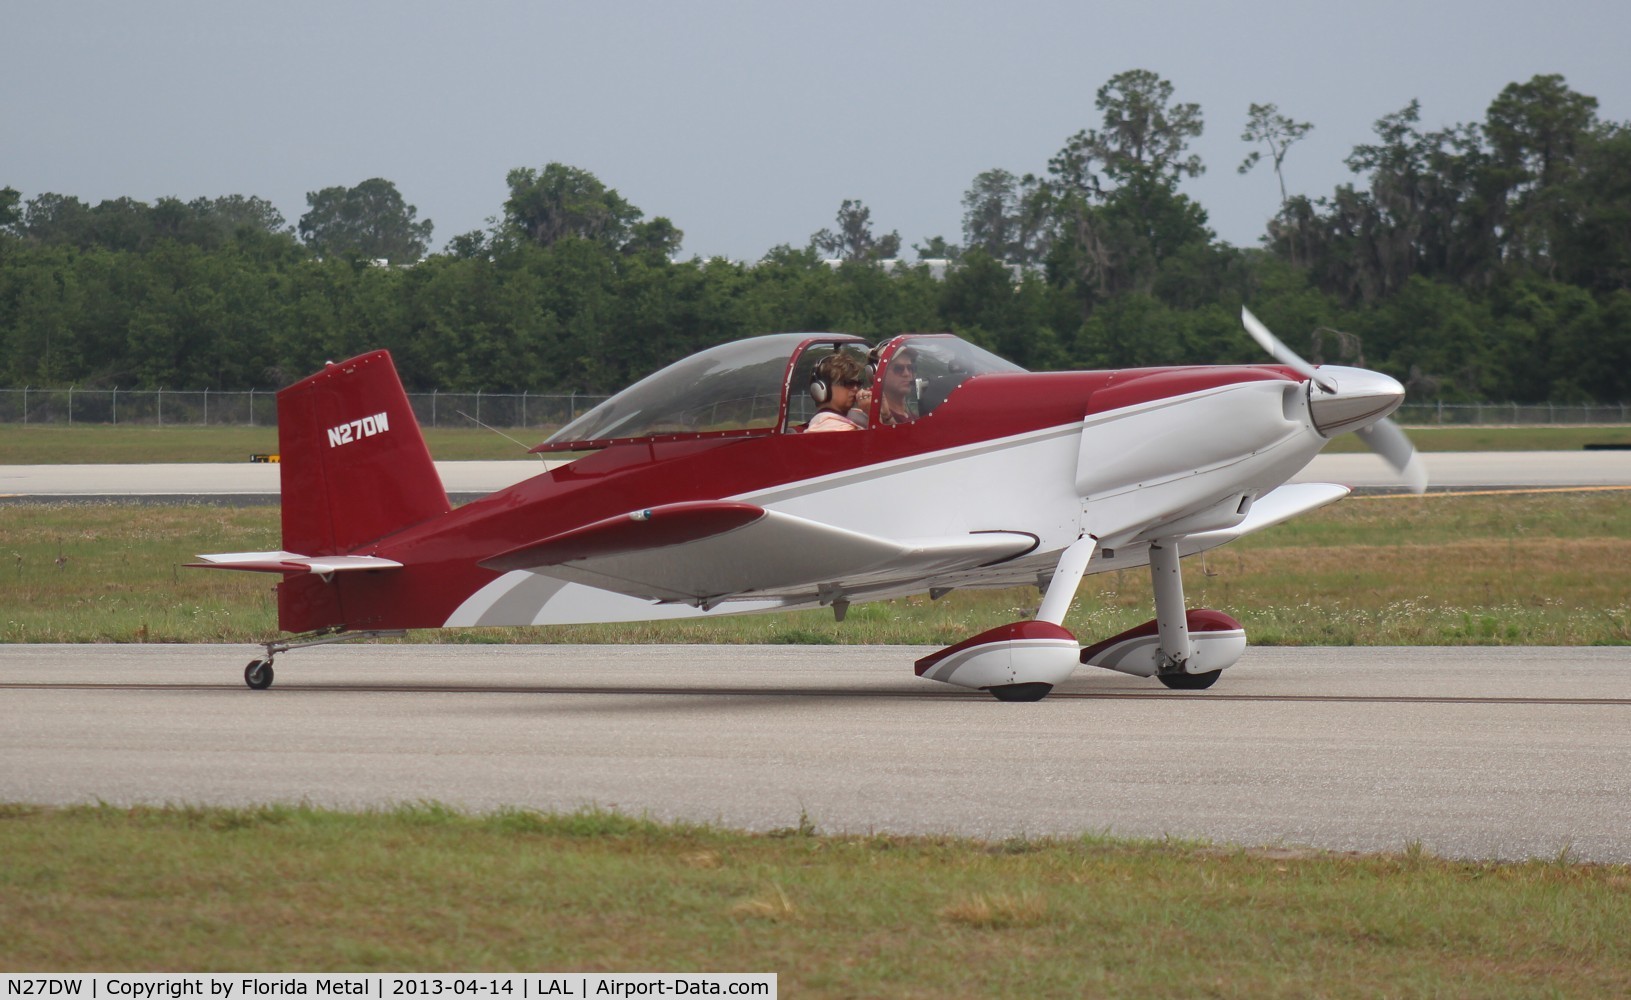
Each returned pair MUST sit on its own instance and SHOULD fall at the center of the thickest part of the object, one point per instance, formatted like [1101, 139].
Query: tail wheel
[1190, 682]
[258, 675]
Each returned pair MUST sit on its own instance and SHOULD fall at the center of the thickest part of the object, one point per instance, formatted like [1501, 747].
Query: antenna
[495, 430]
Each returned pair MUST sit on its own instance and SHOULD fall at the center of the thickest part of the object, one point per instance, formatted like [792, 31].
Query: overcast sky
[745, 123]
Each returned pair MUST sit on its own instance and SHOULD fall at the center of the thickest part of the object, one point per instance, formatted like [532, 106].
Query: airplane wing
[705, 552]
[1280, 504]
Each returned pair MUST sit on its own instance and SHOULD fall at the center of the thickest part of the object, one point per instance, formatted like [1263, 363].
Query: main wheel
[258, 675]
[1034, 691]
[1190, 682]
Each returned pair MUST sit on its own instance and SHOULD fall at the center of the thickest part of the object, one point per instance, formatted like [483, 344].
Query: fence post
[25, 406]
[574, 406]
[206, 406]
[433, 407]
[116, 406]
[478, 407]
[251, 407]
[523, 407]
[70, 406]
[161, 407]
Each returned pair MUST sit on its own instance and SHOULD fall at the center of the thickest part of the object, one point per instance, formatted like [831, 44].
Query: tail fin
[354, 464]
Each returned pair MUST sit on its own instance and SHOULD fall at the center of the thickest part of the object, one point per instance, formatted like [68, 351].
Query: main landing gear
[1186, 650]
[258, 675]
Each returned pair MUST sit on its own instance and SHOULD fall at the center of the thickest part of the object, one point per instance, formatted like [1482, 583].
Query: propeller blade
[1280, 352]
[1387, 439]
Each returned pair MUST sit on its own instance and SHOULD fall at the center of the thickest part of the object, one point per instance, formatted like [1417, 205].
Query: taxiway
[1472, 751]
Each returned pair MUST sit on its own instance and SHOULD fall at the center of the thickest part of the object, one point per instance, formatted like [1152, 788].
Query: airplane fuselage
[1054, 455]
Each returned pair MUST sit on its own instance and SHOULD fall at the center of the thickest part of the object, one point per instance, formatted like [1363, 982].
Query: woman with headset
[836, 386]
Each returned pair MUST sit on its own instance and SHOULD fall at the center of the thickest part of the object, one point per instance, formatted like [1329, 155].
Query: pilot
[836, 385]
[898, 386]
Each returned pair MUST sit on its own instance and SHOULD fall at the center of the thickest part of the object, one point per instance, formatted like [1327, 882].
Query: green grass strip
[428, 888]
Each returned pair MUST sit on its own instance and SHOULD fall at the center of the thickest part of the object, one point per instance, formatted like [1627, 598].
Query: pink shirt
[827, 420]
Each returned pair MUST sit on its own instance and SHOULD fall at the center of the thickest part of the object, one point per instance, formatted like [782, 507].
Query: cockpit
[759, 387]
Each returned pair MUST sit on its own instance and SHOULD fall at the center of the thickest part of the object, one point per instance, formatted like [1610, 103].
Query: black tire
[1034, 691]
[258, 675]
[1190, 682]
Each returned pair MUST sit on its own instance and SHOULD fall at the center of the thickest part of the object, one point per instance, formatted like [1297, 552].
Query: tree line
[1488, 260]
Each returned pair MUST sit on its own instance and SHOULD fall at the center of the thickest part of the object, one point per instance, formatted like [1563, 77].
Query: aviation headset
[821, 380]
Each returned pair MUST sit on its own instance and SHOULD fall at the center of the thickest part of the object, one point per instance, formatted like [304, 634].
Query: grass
[1524, 569]
[51, 444]
[134, 444]
[1499, 438]
[426, 888]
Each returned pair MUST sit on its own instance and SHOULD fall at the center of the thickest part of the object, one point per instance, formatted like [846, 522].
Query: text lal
[611, 987]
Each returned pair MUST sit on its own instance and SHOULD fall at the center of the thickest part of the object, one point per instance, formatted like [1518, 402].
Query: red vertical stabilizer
[354, 464]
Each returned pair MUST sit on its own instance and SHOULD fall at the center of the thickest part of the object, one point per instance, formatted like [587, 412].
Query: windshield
[933, 365]
[739, 387]
[734, 386]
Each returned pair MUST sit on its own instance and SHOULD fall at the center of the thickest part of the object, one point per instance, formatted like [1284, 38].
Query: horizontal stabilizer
[708, 551]
[291, 562]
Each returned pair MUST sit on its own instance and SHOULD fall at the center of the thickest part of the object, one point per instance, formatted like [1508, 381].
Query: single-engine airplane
[697, 493]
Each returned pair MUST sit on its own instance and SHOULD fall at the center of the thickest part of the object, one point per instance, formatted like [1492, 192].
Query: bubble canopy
[751, 388]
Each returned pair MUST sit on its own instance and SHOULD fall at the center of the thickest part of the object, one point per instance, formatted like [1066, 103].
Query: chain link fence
[1516, 414]
[158, 407]
[550, 410]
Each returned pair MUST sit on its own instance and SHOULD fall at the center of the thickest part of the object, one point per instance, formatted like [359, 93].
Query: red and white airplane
[695, 493]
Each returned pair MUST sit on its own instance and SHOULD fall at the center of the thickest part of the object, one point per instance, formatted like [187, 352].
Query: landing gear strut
[1171, 617]
[258, 675]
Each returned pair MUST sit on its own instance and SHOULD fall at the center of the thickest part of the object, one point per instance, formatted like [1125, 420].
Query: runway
[251, 483]
[1475, 752]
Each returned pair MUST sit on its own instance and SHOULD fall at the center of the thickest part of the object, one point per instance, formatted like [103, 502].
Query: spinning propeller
[1344, 399]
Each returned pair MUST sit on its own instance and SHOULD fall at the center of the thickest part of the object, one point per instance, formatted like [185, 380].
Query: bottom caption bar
[385, 986]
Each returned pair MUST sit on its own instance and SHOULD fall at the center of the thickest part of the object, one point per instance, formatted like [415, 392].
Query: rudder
[353, 462]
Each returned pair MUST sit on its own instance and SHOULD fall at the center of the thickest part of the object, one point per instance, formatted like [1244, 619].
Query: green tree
[548, 205]
[937, 248]
[1008, 217]
[658, 239]
[1142, 134]
[11, 211]
[1594, 250]
[58, 220]
[1265, 124]
[1117, 207]
[853, 239]
[370, 220]
[1537, 133]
